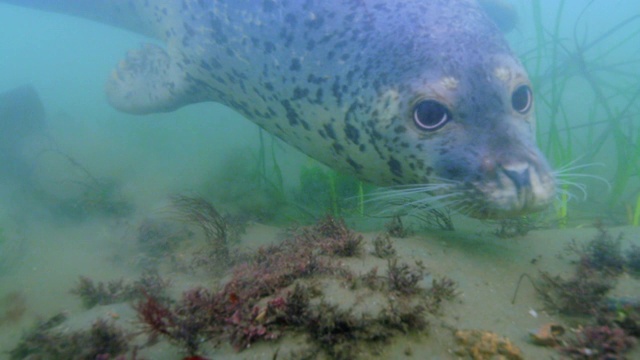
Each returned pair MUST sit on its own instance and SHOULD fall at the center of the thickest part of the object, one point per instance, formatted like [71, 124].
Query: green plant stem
[360, 198]
[333, 193]
[636, 213]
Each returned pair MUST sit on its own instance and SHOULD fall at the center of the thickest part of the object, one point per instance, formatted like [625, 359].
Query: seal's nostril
[520, 176]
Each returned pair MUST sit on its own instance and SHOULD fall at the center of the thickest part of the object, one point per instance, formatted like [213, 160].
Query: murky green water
[80, 182]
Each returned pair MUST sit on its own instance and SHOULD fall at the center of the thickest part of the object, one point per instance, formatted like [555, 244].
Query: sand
[53, 255]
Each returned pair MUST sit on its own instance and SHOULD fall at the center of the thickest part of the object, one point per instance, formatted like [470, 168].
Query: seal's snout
[519, 175]
[525, 187]
[518, 178]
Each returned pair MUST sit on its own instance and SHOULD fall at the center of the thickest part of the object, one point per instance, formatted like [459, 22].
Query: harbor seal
[423, 94]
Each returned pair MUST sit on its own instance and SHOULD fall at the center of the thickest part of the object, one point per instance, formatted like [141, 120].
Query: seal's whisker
[422, 204]
[467, 209]
[562, 191]
[562, 180]
[564, 184]
[386, 194]
[399, 203]
[565, 179]
[434, 182]
[572, 164]
[414, 188]
[427, 204]
[570, 171]
[571, 167]
[395, 194]
[434, 204]
[432, 199]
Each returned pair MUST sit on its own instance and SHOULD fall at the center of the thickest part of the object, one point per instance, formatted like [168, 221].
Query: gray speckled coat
[340, 80]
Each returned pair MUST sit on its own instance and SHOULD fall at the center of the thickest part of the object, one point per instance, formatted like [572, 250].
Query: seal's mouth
[506, 192]
[515, 190]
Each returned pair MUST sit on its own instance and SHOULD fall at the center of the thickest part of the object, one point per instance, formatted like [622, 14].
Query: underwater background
[96, 205]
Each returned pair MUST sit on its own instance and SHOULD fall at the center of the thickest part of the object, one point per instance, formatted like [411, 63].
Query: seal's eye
[522, 99]
[430, 115]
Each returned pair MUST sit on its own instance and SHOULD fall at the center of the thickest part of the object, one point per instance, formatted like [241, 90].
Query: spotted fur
[338, 79]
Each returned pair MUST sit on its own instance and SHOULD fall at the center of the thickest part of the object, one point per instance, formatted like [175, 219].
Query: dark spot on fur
[269, 47]
[205, 66]
[290, 19]
[335, 90]
[314, 23]
[188, 29]
[328, 128]
[400, 129]
[395, 166]
[269, 5]
[350, 76]
[315, 79]
[292, 115]
[319, 93]
[311, 44]
[299, 93]
[376, 135]
[352, 133]
[354, 164]
[295, 65]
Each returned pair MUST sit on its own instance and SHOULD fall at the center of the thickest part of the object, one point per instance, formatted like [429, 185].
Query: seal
[421, 94]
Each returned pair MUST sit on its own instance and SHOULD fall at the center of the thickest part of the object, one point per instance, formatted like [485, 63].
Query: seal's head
[479, 131]
[468, 123]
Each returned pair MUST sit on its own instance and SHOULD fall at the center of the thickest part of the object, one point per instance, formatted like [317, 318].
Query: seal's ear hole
[430, 115]
[522, 99]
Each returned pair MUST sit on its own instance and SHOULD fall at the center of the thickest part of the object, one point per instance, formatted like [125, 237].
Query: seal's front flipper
[147, 81]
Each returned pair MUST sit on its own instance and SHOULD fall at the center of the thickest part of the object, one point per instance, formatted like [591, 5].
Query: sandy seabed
[50, 258]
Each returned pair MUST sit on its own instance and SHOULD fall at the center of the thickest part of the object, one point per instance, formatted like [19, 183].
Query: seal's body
[394, 92]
